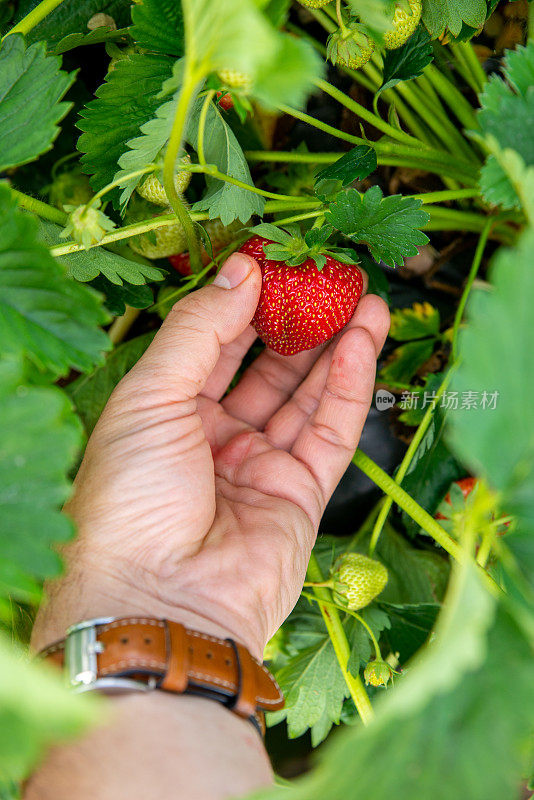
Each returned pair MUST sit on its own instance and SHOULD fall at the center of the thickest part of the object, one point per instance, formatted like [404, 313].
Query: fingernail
[234, 271]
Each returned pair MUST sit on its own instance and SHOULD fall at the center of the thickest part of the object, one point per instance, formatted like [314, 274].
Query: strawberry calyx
[289, 246]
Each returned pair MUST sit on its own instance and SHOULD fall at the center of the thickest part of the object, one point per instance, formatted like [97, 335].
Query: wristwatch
[141, 654]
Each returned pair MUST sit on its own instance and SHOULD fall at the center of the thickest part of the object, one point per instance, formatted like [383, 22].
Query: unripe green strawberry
[236, 80]
[357, 580]
[405, 21]
[377, 673]
[168, 240]
[70, 188]
[352, 48]
[152, 188]
[314, 3]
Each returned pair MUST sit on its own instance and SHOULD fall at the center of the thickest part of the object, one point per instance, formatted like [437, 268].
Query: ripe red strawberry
[456, 503]
[302, 306]
[466, 486]
[225, 100]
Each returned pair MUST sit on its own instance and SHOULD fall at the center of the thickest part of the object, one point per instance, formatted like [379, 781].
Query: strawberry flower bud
[86, 224]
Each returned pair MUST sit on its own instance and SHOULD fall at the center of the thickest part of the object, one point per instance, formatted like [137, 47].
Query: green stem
[469, 284]
[288, 157]
[38, 207]
[406, 462]
[376, 646]
[408, 504]
[463, 68]
[118, 182]
[472, 62]
[34, 17]
[368, 116]
[299, 217]
[191, 81]
[446, 194]
[202, 126]
[163, 220]
[339, 16]
[214, 172]
[322, 126]
[122, 324]
[453, 97]
[339, 641]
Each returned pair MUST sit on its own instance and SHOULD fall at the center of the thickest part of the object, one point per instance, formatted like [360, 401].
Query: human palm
[210, 502]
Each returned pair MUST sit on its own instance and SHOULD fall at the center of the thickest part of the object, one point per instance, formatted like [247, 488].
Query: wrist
[91, 590]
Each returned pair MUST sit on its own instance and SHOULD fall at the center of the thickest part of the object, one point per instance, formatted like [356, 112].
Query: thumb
[187, 346]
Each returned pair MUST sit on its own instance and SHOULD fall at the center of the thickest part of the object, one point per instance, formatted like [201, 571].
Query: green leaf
[410, 579]
[222, 200]
[406, 62]
[39, 438]
[406, 360]
[410, 626]
[271, 232]
[440, 16]
[44, 314]
[90, 393]
[374, 14]
[71, 16]
[431, 472]
[496, 349]
[126, 101]
[495, 185]
[387, 225]
[96, 36]
[438, 715]
[355, 165]
[505, 117]
[85, 265]
[313, 687]
[36, 711]
[158, 26]
[31, 86]
[421, 320]
[116, 298]
[281, 68]
[288, 78]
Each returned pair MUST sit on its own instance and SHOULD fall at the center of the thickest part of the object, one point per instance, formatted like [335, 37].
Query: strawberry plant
[140, 145]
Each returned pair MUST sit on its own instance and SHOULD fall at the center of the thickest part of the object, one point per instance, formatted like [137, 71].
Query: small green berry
[236, 80]
[352, 48]
[377, 673]
[357, 580]
[405, 21]
[160, 243]
[152, 189]
[315, 3]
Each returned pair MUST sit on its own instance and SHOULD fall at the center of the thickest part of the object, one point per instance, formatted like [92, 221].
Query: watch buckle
[81, 667]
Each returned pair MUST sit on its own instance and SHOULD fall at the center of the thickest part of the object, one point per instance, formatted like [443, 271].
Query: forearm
[157, 745]
[154, 744]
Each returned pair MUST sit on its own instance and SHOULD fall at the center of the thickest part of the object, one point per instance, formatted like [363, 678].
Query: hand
[202, 509]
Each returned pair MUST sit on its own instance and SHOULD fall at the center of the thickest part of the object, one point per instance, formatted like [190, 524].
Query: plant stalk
[34, 17]
[406, 462]
[339, 641]
[477, 260]
[408, 504]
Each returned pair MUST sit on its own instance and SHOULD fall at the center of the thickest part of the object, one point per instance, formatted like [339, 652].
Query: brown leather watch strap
[176, 659]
